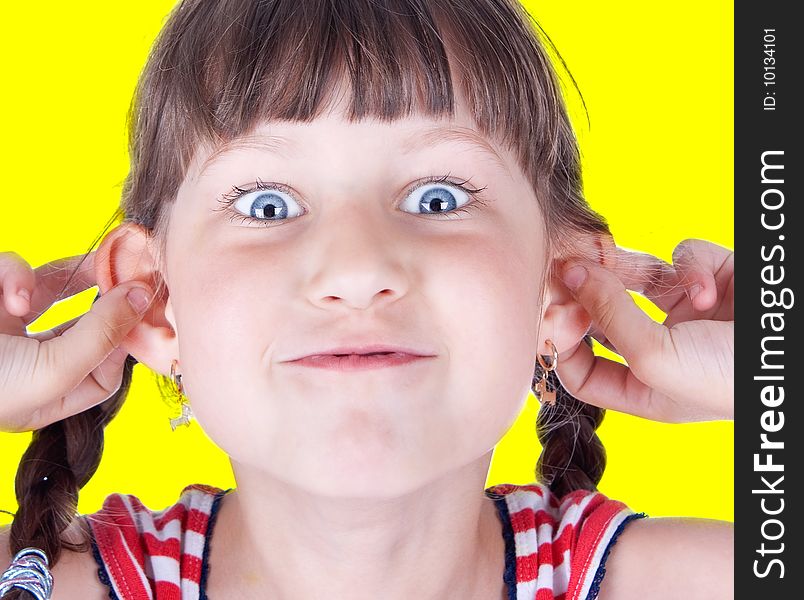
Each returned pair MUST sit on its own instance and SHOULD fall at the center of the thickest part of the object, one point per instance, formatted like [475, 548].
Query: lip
[358, 362]
[362, 349]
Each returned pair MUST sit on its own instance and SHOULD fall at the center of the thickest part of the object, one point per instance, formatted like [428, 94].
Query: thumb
[71, 356]
[696, 263]
[611, 307]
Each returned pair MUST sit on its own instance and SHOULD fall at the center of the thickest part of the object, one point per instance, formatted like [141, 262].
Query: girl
[361, 238]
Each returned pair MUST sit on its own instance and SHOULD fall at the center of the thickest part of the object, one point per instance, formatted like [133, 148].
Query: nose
[359, 263]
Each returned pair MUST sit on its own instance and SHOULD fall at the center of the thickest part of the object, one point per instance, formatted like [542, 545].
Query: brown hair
[220, 67]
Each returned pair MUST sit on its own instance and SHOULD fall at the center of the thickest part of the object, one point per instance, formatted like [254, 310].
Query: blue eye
[266, 204]
[269, 202]
[435, 198]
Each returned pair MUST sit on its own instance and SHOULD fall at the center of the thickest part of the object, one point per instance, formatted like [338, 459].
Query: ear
[127, 253]
[566, 321]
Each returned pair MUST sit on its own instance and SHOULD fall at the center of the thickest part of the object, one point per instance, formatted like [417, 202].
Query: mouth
[360, 354]
[359, 361]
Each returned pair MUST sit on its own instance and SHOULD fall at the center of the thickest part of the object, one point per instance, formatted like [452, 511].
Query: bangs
[220, 68]
[224, 67]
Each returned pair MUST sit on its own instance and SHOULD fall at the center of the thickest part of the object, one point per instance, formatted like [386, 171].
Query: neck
[441, 541]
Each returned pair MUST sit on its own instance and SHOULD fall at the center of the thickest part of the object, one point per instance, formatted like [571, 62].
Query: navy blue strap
[509, 575]
[601, 569]
[213, 514]
[103, 574]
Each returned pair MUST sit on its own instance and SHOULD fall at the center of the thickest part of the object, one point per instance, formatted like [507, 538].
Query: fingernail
[694, 291]
[138, 298]
[574, 277]
[24, 293]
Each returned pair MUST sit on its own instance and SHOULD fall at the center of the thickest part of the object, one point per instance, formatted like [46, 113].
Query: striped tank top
[555, 549]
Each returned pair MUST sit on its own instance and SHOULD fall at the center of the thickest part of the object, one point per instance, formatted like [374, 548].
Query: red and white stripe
[559, 544]
[154, 555]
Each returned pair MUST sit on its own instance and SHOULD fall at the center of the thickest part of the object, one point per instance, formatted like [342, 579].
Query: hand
[49, 376]
[678, 371]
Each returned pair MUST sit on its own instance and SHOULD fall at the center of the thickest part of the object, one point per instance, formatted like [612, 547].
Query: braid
[59, 461]
[572, 457]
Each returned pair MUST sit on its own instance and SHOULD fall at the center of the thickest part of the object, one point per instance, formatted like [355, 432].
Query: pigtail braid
[61, 458]
[572, 457]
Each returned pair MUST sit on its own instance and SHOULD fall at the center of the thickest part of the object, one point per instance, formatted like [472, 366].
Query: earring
[186, 413]
[544, 395]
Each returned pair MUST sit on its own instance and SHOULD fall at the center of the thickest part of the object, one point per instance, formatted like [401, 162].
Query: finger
[608, 384]
[699, 261]
[648, 275]
[614, 311]
[17, 279]
[99, 386]
[60, 279]
[66, 360]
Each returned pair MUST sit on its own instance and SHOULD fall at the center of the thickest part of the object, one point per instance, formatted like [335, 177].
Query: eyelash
[227, 200]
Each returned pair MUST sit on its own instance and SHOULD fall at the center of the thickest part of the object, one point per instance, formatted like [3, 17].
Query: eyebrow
[440, 134]
[265, 143]
[435, 135]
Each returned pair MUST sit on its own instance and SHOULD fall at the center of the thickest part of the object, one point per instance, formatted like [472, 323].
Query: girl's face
[344, 248]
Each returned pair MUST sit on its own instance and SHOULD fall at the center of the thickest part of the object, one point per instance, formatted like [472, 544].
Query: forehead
[291, 140]
[402, 137]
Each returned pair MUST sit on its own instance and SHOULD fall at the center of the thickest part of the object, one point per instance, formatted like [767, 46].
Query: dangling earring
[186, 413]
[544, 395]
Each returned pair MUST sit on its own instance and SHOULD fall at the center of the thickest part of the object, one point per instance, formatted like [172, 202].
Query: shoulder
[138, 548]
[652, 553]
[559, 544]
[598, 548]
[124, 530]
[74, 576]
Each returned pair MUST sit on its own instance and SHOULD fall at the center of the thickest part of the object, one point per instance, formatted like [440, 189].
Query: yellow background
[657, 80]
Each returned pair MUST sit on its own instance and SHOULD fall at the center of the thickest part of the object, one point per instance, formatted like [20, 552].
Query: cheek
[223, 310]
[493, 292]
[226, 316]
[490, 295]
